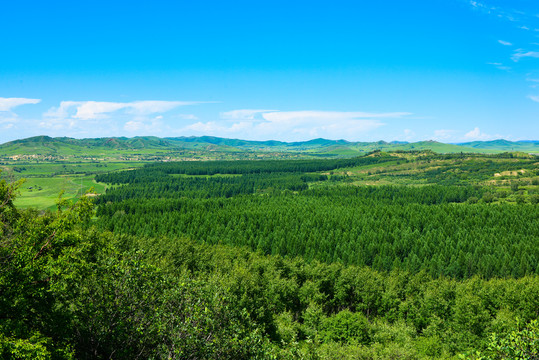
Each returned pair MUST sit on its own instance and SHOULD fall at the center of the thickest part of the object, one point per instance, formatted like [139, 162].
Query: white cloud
[95, 109]
[503, 13]
[292, 125]
[443, 134]
[144, 126]
[310, 116]
[534, 97]
[243, 114]
[86, 110]
[151, 107]
[135, 116]
[133, 125]
[8, 117]
[535, 81]
[207, 127]
[215, 128]
[408, 134]
[519, 54]
[6, 104]
[187, 117]
[506, 43]
[476, 134]
[11, 118]
[479, 5]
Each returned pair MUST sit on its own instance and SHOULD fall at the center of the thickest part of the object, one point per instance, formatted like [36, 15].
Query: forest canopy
[272, 261]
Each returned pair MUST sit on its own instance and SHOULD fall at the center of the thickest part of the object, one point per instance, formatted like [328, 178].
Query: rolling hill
[529, 146]
[151, 145]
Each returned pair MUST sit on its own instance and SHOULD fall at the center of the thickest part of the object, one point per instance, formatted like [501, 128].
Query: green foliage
[346, 327]
[339, 309]
[36, 347]
[383, 227]
[151, 172]
[519, 344]
[27, 256]
[279, 209]
[67, 291]
[8, 212]
[379, 272]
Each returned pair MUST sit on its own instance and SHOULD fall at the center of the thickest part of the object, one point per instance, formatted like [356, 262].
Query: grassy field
[510, 179]
[45, 181]
[43, 169]
[42, 192]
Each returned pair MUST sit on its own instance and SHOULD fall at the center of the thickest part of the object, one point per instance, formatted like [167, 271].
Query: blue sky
[447, 70]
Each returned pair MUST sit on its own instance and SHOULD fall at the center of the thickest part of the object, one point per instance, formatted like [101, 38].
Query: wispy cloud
[476, 134]
[86, 110]
[408, 135]
[500, 12]
[534, 97]
[187, 117]
[243, 114]
[281, 116]
[443, 134]
[499, 66]
[8, 118]
[522, 20]
[520, 53]
[91, 118]
[6, 104]
[534, 81]
[292, 125]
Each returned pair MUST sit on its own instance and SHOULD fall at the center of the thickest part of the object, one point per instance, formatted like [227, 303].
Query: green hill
[529, 146]
[65, 146]
[46, 146]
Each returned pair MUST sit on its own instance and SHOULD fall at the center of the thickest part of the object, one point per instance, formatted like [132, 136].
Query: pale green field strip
[55, 169]
[45, 181]
[42, 192]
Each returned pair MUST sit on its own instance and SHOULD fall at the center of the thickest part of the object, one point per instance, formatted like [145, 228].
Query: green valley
[278, 252]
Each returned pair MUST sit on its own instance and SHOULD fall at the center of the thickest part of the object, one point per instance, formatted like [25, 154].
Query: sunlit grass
[42, 192]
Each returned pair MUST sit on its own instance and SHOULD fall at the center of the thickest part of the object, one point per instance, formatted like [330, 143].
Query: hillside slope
[154, 146]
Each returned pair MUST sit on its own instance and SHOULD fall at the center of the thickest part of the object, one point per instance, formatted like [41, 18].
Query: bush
[346, 327]
[521, 344]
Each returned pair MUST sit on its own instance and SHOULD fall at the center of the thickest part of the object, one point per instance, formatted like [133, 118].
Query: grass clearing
[55, 169]
[45, 181]
[42, 192]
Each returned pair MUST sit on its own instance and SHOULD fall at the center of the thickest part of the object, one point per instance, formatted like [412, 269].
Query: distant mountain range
[505, 145]
[62, 146]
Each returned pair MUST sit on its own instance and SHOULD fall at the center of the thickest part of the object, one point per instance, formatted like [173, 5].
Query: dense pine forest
[293, 208]
[404, 255]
